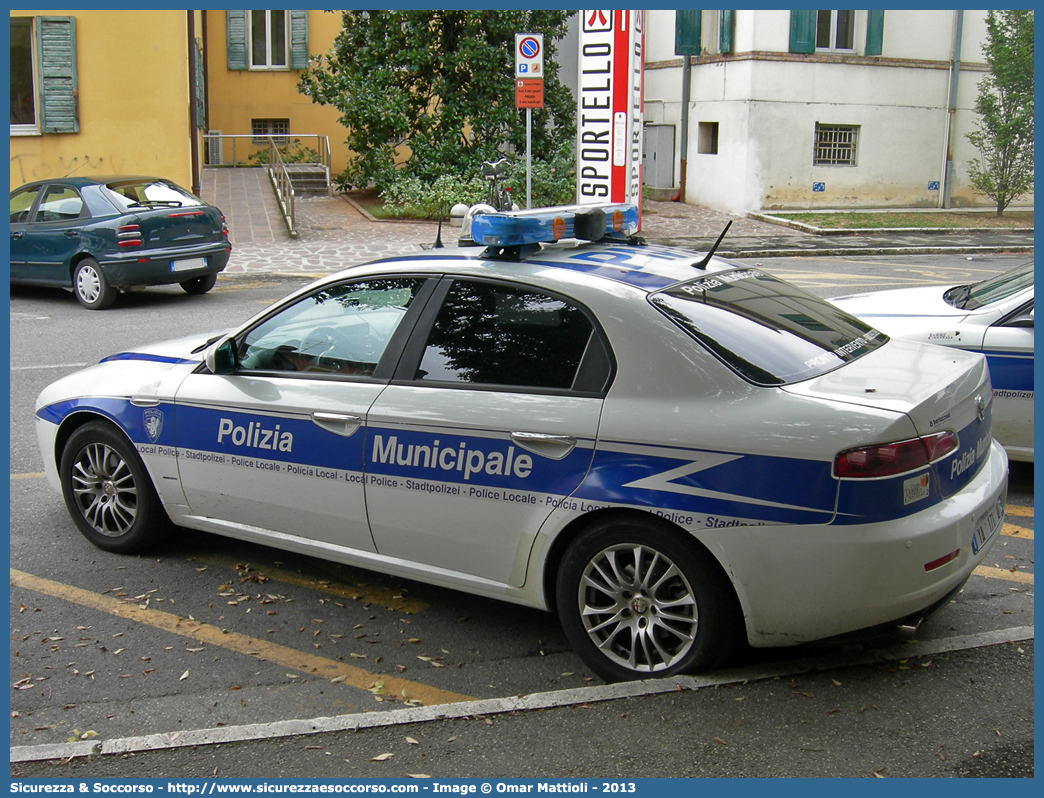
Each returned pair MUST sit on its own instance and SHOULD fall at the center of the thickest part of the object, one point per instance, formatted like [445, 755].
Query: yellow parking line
[29, 476]
[1002, 573]
[1016, 531]
[239, 643]
[366, 594]
[1019, 510]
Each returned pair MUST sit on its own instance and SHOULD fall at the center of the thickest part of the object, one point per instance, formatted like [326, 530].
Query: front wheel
[108, 491]
[90, 286]
[199, 285]
[638, 600]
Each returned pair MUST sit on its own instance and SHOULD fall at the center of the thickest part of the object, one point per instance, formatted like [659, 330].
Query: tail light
[224, 227]
[888, 459]
[128, 235]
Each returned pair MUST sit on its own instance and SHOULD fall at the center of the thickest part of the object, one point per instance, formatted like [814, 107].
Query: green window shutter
[236, 39]
[687, 32]
[802, 31]
[874, 31]
[298, 39]
[56, 53]
[726, 23]
[201, 106]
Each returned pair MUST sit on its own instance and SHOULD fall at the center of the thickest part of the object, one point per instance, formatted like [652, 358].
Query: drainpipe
[951, 119]
[193, 140]
[206, 71]
[684, 152]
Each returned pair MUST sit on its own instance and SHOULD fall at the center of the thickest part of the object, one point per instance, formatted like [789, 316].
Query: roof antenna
[438, 237]
[73, 170]
[703, 263]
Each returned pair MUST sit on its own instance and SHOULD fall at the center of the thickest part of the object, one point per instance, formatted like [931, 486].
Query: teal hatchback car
[98, 236]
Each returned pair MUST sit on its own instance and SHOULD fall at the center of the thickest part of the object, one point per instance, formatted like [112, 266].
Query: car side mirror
[221, 357]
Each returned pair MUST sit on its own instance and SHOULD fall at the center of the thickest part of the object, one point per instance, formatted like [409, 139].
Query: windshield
[148, 193]
[767, 330]
[972, 297]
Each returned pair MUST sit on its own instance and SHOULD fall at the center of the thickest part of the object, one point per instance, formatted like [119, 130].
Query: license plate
[188, 265]
[986, 526]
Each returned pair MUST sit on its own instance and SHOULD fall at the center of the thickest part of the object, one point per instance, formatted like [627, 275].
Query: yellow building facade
[103, 93]
[255, 92]
[134, 92]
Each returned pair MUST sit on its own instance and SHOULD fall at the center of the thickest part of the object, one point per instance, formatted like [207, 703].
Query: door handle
[553, 447]
[71, 233]
[343, 424]
[17, 234]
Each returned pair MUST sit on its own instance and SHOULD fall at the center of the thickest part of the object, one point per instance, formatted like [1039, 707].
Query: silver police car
[674, 453]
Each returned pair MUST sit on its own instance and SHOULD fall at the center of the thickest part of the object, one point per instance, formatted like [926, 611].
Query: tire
[90, 286]
[199, 285]
[108, 491]
[615, 585]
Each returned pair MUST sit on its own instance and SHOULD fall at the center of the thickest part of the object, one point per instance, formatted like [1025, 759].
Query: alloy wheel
[638, 608]
[104, 489]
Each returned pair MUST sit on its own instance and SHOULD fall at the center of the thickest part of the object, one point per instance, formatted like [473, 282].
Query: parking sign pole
[529, 91]
[529, 157]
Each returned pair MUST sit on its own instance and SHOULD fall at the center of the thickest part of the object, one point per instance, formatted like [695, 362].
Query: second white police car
[673, 452]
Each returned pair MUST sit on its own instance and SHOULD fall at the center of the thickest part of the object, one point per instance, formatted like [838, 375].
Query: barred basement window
[835, 145]
[279, 129]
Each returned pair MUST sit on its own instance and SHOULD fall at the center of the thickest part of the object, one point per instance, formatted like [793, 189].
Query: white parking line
[497, 706]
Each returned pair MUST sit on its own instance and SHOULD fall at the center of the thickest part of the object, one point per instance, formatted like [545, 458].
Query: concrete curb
[853, 231]
[841, 251]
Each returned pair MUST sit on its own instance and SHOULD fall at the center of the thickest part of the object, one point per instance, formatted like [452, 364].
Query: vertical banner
[609, 108]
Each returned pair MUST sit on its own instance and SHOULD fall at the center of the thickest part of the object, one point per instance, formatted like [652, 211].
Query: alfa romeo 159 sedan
[674, 453]
[992, 316]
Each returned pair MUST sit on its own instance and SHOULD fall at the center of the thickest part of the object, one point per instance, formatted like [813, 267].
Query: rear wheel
[90, 286]
[638, 600]
[108, 491]
[199, 285]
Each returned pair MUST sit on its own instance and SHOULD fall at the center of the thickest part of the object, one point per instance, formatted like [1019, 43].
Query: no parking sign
[529, 55]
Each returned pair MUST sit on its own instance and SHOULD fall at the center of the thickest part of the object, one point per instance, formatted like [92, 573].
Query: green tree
[440, 83]
[1004, 170]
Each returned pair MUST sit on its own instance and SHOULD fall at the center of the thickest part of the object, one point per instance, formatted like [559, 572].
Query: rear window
[767, 330]
[149, 193]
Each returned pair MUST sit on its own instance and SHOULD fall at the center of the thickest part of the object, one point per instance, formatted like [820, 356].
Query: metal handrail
[322, 146]
[284, 189]
[276, 167]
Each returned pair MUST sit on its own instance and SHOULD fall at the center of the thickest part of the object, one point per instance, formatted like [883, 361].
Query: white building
[815, 109]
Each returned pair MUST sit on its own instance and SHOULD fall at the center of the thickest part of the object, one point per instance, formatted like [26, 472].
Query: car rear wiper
[958, 296]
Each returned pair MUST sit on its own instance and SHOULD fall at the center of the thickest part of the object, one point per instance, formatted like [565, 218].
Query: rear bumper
[798, 584]
[157, 267]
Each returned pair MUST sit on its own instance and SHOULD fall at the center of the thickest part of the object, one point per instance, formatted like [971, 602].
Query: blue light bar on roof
[547, 225]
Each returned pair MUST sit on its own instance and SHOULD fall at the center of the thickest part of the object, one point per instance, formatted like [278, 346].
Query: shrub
[553, 179]
[410, 197]
[294, 152]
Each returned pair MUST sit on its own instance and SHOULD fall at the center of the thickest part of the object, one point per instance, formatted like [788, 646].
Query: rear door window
[59, 204]
[512, 337]
[765, 329]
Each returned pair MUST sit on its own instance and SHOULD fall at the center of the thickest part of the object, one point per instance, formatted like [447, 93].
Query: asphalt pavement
[962, 713]
[335, 232]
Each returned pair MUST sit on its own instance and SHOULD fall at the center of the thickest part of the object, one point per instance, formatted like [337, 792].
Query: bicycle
[498, 196]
